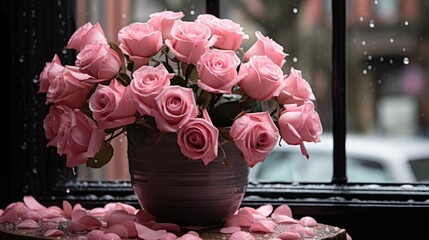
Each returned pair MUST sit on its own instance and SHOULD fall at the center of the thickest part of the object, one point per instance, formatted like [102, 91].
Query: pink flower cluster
[176, 72]
[117, 221]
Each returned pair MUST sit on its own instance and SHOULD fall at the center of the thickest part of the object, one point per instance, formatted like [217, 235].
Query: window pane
[388, 87]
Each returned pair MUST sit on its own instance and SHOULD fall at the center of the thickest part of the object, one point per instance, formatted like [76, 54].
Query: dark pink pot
[182, 191]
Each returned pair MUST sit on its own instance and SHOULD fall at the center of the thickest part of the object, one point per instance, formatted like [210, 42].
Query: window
[39, 29]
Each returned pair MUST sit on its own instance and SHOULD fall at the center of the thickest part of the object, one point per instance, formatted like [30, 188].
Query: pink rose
[147, 83]
[109, 106]
[264, 78]
[198, 139]
[255, 135]
[300, 123]
[86, 34]
[297, 89]
[52, 122]
[217, 70]
[100, 61]
[50, 71]
[136, 35]
[229, 34]
[163, 21]
[266, 46]
[174, 106]
[78, 138]
[189, 40]
[69, 88]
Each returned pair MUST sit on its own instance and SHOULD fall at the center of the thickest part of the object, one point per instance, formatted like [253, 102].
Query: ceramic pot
[178, 190]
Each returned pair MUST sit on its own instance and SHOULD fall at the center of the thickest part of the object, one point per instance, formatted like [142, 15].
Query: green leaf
[176, 80]
[103, 156]
[224, 114]
[124, 79]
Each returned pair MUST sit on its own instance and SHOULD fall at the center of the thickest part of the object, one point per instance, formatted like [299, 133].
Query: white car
[369, 159]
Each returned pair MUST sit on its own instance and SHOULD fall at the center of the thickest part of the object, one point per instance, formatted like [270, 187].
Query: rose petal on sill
[32, 214]
[230, 229]
[171, 227]
[348, 237]
[78, 214]
[265, 210]
[76, 227]
[89, 221]
[239, 220]
[97, 212]
[144, 216]
[110, 236]
[282, 210]
[297, 228]
[149, 234]
[120, 206]
[95, 235]
[308, 232]
[284, 219]
[55, 219]
[241, 235]
[289, 235]
[266, 226]
[119, 216]
[67, 208]
[32, 203]
[308, 221]
[48, 225]
[53, 233]
[190, 236]
[169, 236]
[126, 229]
[28, 224]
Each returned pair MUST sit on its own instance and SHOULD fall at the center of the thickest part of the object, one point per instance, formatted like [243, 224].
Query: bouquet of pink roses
[187, 77]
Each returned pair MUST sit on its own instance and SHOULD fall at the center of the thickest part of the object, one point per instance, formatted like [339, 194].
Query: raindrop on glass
[404, 49]
[192, 12]
[371, 23]
[381, 59]
[369, 67]
[379, 81]
[64, 51]
[361, 19]
[74, 171]
[406, 23]
[364, 71]
[363, 43]
[406, 60]
[34, 170]
[370, 57]
[67, 190]
[391, 61]
[295, 10]
[124, 16]
[295, 59]
[391, 40]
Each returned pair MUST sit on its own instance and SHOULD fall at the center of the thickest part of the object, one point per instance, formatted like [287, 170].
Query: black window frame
[35, 35]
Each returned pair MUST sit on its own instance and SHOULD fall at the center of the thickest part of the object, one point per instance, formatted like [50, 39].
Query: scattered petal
[308, 221]
[283, 219]
[169, 236]
[28, 224]
[241, 235]
[265, 210]
[282, 210]
[308, 232]
[77, 214]
[118, 216]
[144, 216]
[266, 226]
[67, 208]
[149, 234]
[53, 233]
[32, 203]
[230, 229]
[95, 235]
[171, 227]
[110, 236]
